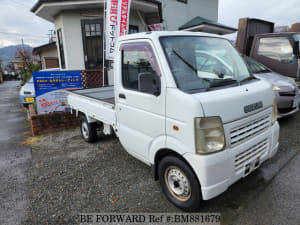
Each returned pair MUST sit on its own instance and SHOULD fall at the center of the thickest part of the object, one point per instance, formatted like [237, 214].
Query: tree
[25, 56]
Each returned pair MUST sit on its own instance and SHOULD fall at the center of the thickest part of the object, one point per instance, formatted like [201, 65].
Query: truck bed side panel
[93, 107]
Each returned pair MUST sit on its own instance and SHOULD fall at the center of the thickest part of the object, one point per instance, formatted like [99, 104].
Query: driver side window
[137, 59]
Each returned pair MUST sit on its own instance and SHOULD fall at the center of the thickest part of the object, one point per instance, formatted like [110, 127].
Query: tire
[88, 130]
[179, 184]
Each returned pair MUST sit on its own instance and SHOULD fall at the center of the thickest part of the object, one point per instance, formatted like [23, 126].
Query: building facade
[48, 55]
[79, 24]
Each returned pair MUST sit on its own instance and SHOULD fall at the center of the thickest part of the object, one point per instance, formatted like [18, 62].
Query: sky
[280, 12]
[17, 22]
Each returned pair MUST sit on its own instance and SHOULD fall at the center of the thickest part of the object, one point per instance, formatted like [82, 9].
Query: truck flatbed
[105, 94]
[96, 103]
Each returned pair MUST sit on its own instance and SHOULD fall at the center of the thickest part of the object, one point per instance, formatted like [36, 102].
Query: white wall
[70, 24]
[176, 13]
[58, 23]
[135, 20]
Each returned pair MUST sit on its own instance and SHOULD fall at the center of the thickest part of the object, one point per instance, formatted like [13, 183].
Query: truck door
[140, 98]
[276, 53]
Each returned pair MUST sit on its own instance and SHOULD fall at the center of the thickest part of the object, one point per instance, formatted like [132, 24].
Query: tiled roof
[199, 21]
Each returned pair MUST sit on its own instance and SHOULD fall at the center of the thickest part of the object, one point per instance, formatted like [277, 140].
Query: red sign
[156, 27]
[124, 10]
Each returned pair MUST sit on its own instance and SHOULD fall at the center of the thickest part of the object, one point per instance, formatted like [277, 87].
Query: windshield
[254, 66]
[296, 37]
[200, 63]
[30, 80]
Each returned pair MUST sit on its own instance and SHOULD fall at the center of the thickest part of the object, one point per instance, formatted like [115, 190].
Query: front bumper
[27, 99]
[287, 105]
[218, 171]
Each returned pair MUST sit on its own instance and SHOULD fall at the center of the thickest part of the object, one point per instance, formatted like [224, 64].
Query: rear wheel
[88, 130]
[179, 183]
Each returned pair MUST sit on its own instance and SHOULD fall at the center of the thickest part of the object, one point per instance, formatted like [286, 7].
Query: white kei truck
[185, 104]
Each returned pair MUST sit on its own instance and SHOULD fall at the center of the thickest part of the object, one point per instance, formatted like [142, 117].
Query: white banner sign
[117, 23]
[111, 28]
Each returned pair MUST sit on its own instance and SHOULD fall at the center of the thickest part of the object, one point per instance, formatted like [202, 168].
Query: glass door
[92, 34]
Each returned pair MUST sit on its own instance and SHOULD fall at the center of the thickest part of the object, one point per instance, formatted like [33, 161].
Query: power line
[22, 35]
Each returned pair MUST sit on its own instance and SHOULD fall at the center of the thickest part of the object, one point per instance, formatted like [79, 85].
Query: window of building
[183, 1]
[61, 49]
[133, 29]
[138, 58]
[276, 48]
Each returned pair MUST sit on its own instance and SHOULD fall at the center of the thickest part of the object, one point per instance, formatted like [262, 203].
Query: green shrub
[26, 73]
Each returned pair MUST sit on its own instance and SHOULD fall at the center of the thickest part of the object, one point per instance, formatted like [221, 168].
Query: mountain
[8, 53]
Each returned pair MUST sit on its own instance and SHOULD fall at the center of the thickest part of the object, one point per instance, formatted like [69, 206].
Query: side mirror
[147, 83]
[296, 49]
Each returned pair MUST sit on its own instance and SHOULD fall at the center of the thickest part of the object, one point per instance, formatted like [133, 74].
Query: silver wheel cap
[177, 183]
[85, 130]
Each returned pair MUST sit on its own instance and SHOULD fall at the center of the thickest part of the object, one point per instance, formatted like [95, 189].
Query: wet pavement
[279, 202]
[13, 157]
[67, 176]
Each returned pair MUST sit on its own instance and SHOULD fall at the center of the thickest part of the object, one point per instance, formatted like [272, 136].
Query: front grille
[246, 131]
[288, 93]
[251, 154]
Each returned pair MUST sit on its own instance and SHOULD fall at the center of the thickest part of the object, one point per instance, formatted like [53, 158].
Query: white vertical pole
[103, 37]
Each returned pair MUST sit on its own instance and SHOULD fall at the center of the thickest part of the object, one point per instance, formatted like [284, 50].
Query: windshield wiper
[183, 60]
[247, 78]
[223, 83]
[263, 71]
[196, 90]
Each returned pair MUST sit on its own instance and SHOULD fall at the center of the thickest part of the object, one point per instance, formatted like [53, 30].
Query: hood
[276, 79]
[233, 103]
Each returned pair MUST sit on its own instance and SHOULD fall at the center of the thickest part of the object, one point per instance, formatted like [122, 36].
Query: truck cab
[185, 104]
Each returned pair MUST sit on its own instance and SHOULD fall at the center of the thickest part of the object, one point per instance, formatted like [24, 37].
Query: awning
[199, 24]
[48, 9]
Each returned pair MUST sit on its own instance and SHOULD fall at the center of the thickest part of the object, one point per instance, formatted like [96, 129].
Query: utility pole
[104, 42]
[51, 36]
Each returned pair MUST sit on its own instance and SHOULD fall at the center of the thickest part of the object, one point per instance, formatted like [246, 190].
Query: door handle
[122, 96]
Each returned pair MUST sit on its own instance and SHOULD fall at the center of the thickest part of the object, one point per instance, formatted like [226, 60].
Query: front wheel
[88, 130]
[179, 183]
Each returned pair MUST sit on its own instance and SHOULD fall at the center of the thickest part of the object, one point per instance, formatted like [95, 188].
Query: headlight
[274, 111]
[293, 80]
[275, 88]
[209, 135]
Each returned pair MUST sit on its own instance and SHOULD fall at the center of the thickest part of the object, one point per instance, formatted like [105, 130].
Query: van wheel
[179, 184]
[88, 130]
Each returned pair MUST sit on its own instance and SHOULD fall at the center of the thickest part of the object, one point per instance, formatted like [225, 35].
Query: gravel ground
[72, 177]
[68, 176]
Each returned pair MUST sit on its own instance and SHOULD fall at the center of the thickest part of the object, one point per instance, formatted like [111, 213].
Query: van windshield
[201, 63]
[296, 37]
